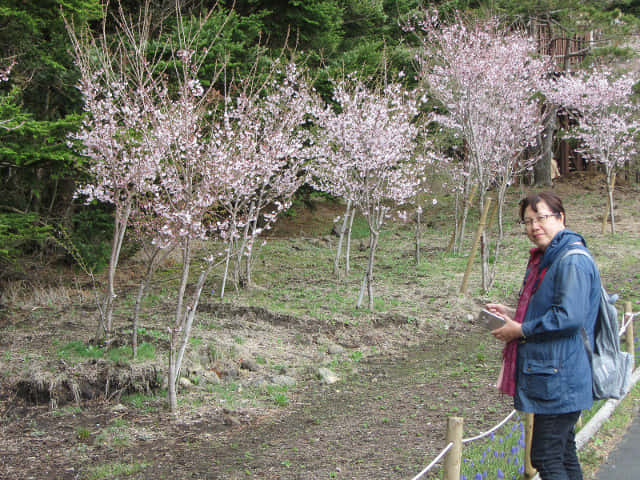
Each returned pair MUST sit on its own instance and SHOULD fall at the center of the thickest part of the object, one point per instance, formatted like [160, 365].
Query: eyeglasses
[540, 220]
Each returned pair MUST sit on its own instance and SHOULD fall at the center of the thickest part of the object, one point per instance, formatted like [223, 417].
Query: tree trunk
[456, 227]
[374, 244]
[476, 243]
[336, 261]
[542, 168]
[154, 261]
[611, 184]
[171, 375]
[417, 253]
[470, 193]
[226, 269]
[105, 323]
[347, 253]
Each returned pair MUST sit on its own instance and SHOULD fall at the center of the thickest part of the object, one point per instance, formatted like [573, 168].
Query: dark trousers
[553, 447]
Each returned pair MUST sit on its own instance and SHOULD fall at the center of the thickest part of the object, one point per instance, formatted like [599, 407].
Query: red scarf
[507, 379]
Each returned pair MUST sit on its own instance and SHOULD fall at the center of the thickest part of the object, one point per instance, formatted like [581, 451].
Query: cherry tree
[486, 78]
[607, 121]
[366, 154]
[146, 140]
[266, 145]
[183, 200]
[117, 90]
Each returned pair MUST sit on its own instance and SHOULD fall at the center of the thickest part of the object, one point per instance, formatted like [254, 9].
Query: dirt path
[385, 420]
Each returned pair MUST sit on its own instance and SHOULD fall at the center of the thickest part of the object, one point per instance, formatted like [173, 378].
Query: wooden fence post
[453, 460]
[474, 247]
[529, 471]
[629, 332]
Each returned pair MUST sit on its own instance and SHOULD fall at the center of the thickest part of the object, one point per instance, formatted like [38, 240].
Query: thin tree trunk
[105, 323]
[336, 260]
[469, 196]
[172, 380]
[226, 268]
[182, 330]
[374, 244]
[611, 183]
[250, 237]
[154, 261]
[375, 224]
[186, 261]
[474, 246]
[347, 253]
[417, 253]
[542, 168]
[456, 227]
[240, 251]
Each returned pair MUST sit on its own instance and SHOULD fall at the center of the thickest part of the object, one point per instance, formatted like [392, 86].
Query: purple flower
[521, 469]
[478, 476]
[499, 474]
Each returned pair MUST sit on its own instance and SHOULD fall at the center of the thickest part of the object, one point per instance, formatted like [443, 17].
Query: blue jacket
[553, 373]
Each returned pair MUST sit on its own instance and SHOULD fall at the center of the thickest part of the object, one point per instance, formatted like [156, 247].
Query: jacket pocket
[541, 380]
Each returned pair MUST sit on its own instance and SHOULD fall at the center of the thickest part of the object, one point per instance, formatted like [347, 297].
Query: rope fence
[435, 460]
[489, 432]
[452, 453]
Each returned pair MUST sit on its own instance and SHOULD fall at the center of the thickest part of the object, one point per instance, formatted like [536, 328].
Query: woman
[545, 364]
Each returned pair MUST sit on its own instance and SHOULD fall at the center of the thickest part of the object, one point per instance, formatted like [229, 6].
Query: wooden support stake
[492, 216]
[629, 332]
[453, 459]
[529, 471]
[474, 248]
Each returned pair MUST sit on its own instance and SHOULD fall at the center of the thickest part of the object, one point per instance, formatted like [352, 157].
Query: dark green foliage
[33, 33]
[20, 233]
[41, 105]
[92, 232]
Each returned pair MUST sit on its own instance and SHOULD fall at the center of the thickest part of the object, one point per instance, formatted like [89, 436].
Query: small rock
[260, 383]
[210, 377]
[119, 408]
[230, 372]
[335, 349]
[249, 364]
[327, 376]
[284, 380]
[231, 420]
[185, 383]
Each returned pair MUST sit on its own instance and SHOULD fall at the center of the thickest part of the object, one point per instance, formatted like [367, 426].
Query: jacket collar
[563, 240]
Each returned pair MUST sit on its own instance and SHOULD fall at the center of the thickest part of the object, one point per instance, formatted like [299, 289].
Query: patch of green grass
[67, 410]
[145, 403]
[83, 433]
[146, 351]
[79, 350]
[116, 469]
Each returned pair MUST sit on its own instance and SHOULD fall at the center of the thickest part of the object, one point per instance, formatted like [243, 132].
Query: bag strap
[583, 332]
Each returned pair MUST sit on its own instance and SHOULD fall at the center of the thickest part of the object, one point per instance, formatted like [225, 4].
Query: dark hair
[551, 199]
